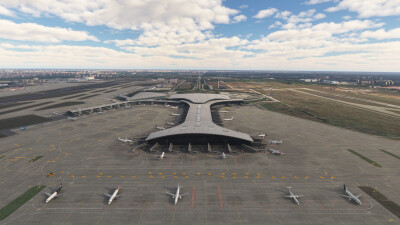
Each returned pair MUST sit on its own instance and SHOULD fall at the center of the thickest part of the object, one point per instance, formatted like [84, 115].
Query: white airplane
[161, 128]
[351, 196]
[171, 124]
[294, 197]
[175, 114]
[229, 119]
[162, 156]
[56, 113]
[275, 152]
[124, 140]
[71, 118]
[177, 195]
[262, 135]
[113, 196]
[174, 107]
[276, 142]
[55, 194]
[223, 156]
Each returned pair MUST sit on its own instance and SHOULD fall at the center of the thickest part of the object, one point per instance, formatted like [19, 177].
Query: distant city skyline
[305, 35]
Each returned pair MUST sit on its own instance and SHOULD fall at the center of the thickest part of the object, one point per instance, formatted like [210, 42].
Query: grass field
[21, 121]
[364, 158]
[13, 105]
[89, 96]
[110, 91]
[25, 107]
[59, 105]
[389, 153]
[73, 96]
[382, 199]
[334, 113]
[11, 207]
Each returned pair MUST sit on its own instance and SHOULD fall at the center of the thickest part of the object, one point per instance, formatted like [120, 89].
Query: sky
[305, 35]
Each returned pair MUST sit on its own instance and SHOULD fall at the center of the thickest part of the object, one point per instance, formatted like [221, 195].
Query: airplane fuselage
[113, 196]
[353, 197]
[51, 197]
[177, 196]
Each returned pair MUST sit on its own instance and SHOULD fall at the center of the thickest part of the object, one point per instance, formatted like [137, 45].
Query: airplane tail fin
[344, 187]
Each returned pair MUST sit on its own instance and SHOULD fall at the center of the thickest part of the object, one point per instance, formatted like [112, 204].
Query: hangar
[198, 126]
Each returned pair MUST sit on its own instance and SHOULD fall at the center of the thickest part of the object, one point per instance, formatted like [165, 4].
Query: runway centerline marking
[192, 201]
[221, 201]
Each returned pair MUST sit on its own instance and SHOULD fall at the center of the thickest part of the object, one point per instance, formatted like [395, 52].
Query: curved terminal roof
[199, 98]
[199, 120]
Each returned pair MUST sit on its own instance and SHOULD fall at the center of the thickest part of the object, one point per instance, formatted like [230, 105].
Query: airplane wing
[47, 194]
[170, 194]
[299, 196]
[357, 196]
[108, 195]
[288, 196]
[185, 194]
[346, 196]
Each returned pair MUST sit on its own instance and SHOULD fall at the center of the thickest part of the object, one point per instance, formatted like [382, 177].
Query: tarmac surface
[248, 188]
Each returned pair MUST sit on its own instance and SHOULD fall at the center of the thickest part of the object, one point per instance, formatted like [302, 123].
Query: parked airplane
[124, 140]
[229, 119]
[113, 196]
[294, 197]
[22, 128]
[223, 156]
[262, 135]
[161, 128]
[175, 114]
[162, 156]
[275, 142]
[174, 107]
[177, 195]
[71, 118]
[275, 152]
[171, 124]
[56, 113]
[351, 196]
[55, 194]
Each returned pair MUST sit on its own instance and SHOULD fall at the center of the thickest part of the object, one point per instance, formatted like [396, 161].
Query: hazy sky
[354, 35]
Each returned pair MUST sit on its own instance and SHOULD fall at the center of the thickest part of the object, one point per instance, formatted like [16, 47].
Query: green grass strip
[36, 158]
[382, 199]
[18, 121]
[23, 108]
[1, 156]
[64, 104]
[11, 207]
[389, 153]
[365, 158]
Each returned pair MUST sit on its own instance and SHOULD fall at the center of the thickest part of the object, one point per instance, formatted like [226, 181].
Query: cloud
[265, 13]
[314, 2]
[6, 12]
[243, 6]
[40, 33]
[182, 20]
[369, 8]
[382, 34]
[239, 18]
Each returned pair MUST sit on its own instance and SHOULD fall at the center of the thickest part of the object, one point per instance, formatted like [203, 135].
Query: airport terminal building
[198, 127]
